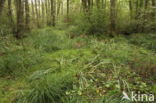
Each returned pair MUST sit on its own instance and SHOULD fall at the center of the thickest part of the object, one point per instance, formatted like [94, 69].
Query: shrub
[50, 88]
[15, 63]
[48, 40]
[93, 23]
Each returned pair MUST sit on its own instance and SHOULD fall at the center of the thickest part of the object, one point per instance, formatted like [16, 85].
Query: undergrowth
[52, 66]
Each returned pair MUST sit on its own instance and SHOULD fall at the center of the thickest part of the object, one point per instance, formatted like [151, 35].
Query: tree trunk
[27, 16]
[39, 8]
[43, 11]
[154, 3]
[33, 12]
[62, 8]
[98, 4]
[131, 9]
[113, 17]
[2, 2]
[46, 12]
[102, 4]
[37, 14]
[10, 15]
[146, 4]
[53, 3]
[49, 11]
[58, 7]
[84, 5]
[137, 9]
[154, 9]
[20, 18]
[67, 10]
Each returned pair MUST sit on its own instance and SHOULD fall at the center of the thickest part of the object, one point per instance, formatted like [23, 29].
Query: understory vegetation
[77, 51]
[51, 67]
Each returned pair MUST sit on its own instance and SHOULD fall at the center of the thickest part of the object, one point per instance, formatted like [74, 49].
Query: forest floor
[52, 66]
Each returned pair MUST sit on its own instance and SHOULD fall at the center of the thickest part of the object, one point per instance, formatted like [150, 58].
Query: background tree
[53, 11]
[27, 16]
[10, 15]
[67, 10]
[20, 18]
[2, 2]
[113, 17]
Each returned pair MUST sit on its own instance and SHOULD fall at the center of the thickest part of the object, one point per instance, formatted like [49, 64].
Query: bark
[113, 17]
[87, 5]
[67, 10]
[84, 5]
[137, 9]
[58, 7]
[20, 18]
[141, 3]
[53, 9]
[131, 9]
[146, 4]
[49, 12]
[98, 4]
[10, 15]
[39, 8]
[32, 7]
[2, 2]
[37, 14]
[154, 9]
[62, 8]
[43, 10]
[46, 11]
[154, 3]
[27, 16]
[102, 4]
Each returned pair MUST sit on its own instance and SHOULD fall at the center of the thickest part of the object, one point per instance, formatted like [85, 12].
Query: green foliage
[50, 40]
[15, 57]
[144, 40]
[83, 69]
[14, 63]
[5, 27]
[50, 88]
[141, 22]
[93, 22]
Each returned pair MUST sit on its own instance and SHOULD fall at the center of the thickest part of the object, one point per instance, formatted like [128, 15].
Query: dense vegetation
[76, 51]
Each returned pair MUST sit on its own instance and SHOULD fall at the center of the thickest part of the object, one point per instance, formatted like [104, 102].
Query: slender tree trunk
[153, 3]
[146, 4]
[10, 15]
[89, 5]
[37, 14]
[137, 9]
[20, 18]
[67, 10]
[39, 8]
[102, 4]
[131, 9]
[2, 2]
[43, 11]
[154, 9]
[58, 7]
[46, 12]
[62, 8]
[33, 12]
[49, 12]
[113, 17]
[53, 3]
[98, 4]
[27, 16]
[141, 3]
[84, 5]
